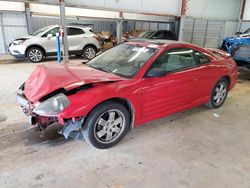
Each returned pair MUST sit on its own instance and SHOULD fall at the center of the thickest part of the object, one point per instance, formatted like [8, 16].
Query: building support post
[182, 19]
[119, 28]
[28, 18]
[64, 28]
[241, 16]
[181, 28]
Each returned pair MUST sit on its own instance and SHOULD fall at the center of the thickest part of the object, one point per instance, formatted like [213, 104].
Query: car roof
[74, 26]
[158, 43]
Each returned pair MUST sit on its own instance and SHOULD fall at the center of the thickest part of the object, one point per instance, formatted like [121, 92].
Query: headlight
[18, 42]
[52, 106]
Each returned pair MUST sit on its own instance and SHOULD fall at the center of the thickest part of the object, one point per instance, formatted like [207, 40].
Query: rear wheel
[106, 125]
[35, 54]
[219, 94]
[89, 52]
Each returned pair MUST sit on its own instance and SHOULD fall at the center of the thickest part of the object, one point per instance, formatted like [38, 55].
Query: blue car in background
[239, 47]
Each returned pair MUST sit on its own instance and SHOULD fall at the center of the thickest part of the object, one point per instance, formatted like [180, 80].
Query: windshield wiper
[106, 70]
[99, 68]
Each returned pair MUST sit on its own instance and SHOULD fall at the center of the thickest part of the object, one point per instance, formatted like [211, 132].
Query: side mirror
[49, 36]
[156, 72]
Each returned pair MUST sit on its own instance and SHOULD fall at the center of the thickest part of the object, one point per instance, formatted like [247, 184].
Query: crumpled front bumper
[27, 108]
[71, 128]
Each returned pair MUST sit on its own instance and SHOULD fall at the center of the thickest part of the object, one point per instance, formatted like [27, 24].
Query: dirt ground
[199, 148]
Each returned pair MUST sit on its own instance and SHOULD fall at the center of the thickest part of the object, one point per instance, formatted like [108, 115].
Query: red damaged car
[126, 86]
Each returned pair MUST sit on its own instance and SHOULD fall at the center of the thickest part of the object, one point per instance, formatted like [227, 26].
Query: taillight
[96, 37]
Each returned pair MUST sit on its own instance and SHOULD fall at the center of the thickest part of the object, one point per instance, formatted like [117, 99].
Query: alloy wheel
[109, 126]
[35, 55]
[90, 53]
[220, 93]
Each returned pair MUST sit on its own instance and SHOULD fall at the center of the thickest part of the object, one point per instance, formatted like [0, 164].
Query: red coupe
[126, 86]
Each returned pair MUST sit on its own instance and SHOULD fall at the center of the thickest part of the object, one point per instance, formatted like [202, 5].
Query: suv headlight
[52, 106]
[17, 42]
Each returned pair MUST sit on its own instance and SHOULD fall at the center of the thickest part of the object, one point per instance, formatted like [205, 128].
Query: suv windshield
[124, 60]
[40, 31]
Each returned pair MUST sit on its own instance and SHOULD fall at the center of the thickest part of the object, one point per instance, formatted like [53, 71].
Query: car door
[75, 38]
[175, 90]
[206, 75]
[49, 43]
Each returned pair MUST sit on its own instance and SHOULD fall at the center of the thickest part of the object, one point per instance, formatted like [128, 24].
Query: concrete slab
[195, 148]
[7, 59]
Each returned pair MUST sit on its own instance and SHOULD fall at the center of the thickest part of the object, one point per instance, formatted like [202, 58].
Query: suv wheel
[89, 52]
[106, 125]
[35, 55]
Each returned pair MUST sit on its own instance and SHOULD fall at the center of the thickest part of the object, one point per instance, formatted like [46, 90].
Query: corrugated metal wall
[215, 33]
[102, 25]
[202, 32]
[231, 28]
[144, 25]
[98, 25]
[2, 49]
[13, 25]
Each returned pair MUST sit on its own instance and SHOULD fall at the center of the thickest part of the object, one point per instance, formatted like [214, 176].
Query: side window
[52, 31]
[175, 59]
[169, 35]
[202, 58]
[74, 31]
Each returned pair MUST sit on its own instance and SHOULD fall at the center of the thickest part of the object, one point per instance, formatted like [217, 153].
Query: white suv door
[49, 43]
[75, 38]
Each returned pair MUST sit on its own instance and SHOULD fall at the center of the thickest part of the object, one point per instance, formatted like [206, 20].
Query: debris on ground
[216, 115]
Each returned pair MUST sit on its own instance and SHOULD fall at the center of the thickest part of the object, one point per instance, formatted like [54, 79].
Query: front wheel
[106, 125]
[219, 94]
[35, 55]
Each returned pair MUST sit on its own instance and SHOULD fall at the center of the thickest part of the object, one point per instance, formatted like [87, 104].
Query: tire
[89, 52]
[218, 94]
[106, 125]
[35, 54]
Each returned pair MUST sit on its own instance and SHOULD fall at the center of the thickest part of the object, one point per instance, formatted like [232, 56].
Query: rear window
[74, 31]
[202, 57]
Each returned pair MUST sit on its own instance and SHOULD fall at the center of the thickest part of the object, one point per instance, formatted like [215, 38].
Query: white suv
[42, 43]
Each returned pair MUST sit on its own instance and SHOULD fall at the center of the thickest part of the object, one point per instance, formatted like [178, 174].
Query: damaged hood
[231, 43]
[48, 78]
[25, 38]
[241, 39]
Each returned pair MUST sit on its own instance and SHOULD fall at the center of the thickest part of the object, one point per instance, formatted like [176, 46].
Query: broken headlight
[52, 106]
